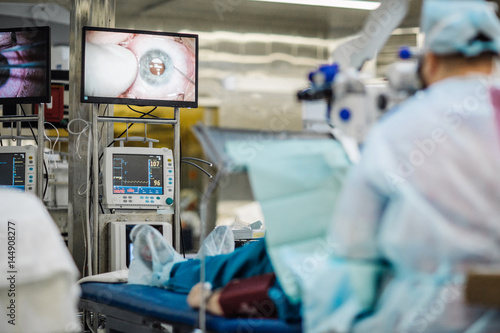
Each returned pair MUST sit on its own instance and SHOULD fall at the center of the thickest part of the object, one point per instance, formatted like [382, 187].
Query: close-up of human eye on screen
[23, 64]
[140, 66]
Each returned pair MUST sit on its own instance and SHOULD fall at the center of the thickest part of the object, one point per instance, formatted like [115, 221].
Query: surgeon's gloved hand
[153, 257]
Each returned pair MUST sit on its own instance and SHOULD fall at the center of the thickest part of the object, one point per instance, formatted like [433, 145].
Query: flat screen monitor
[136, 67]
[18, 168]
[138, 178]
[25, 65]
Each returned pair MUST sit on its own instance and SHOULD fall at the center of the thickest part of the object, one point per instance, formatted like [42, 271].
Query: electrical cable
[51, 147]
[51, 150]
[46, 181]
[125, 131]
[87, 231]
[144, 113]
[106, 109]
[85, 256]
[90, 210]
[86, 227]
[207, 195]
[29, 123]
[80, 133]
[199, 168]
[197, 159]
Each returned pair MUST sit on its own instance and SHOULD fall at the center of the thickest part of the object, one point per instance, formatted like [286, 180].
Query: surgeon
[425, 196]
[419, 210]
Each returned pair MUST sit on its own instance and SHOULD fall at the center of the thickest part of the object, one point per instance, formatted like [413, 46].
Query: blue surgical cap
[468, 27]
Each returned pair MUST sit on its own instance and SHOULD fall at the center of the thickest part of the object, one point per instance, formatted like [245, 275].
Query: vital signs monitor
[138, 178]
[18, 168]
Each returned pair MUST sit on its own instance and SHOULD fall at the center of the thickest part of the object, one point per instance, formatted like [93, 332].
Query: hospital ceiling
[242, 16]
[245, 16]
[239, 16]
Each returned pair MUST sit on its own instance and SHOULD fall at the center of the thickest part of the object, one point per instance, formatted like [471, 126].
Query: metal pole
[177, 180]
[95, 188]
[18, 127]
[40, 148]
[164, 121]
[18, 119]
[93, 13]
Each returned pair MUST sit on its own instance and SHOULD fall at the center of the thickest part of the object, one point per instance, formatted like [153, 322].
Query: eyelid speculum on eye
[156, 67]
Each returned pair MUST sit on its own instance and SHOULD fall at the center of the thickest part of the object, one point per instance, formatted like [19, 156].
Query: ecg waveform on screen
[137, 182]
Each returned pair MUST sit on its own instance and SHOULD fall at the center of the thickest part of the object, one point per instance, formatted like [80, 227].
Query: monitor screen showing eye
[25, 65]
[139, 67]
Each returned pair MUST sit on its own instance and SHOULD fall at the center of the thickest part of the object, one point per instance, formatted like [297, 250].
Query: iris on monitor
[139, 67]
[25, 65]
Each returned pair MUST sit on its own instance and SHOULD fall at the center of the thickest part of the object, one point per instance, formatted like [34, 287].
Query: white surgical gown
[426, 198]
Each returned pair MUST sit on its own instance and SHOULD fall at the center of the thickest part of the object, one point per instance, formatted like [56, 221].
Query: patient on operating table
[419, 210]
[157, 263]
